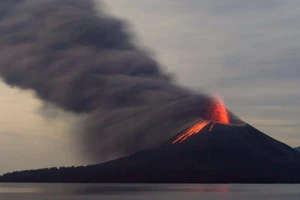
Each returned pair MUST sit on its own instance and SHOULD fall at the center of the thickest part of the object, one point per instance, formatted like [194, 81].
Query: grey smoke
[85, 61]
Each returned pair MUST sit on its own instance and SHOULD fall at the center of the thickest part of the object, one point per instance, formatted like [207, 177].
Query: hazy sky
[245, 51]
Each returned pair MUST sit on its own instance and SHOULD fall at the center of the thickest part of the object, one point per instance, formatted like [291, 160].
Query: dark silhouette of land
[226, 154]
[297, 148]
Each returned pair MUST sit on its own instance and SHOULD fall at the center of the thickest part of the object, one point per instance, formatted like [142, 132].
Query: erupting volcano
[84, 61]
[217, 113]
[223, 152]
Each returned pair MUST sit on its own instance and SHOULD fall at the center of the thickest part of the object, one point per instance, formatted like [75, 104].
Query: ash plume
[84, 61]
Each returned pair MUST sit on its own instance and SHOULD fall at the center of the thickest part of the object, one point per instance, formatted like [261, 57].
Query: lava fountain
[217, 113]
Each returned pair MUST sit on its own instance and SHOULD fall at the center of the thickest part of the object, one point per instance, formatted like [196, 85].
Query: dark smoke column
[84, 61]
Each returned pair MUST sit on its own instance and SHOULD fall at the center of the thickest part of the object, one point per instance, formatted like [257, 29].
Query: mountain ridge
[224, 154]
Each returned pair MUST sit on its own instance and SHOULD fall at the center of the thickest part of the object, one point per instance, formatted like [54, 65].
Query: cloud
[246, 51]
[85, 62]
[21, 151]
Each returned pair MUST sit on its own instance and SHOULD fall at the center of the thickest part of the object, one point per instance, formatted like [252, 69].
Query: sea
[30, 191]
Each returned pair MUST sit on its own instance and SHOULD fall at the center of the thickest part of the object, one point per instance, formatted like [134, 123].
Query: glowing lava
[217, 113]
[191, 131]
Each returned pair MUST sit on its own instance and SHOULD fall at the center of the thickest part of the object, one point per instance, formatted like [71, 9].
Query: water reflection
[174, 191]
[111, 188]
[151, 188]
[10, 189]
[222, 188]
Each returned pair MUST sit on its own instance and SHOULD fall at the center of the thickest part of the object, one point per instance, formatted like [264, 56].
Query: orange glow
[191, 131]
[217, 113]
[210, 129]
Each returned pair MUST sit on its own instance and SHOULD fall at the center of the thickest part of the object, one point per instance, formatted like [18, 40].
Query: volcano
[222, 154]
[218, 149]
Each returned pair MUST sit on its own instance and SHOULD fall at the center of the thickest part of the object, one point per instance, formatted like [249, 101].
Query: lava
[217, 113]
[211, 127]
[191, 131]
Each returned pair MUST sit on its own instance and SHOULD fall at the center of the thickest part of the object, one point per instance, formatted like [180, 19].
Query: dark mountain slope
[227, 153]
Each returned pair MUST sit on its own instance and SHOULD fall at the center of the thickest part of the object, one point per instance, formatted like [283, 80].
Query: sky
[244, 51]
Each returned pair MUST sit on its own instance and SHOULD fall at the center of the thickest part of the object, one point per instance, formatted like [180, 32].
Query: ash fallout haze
[76, 80]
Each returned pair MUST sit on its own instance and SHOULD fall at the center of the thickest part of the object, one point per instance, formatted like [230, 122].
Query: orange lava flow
[191, 131]
[211, 127]
[217, 113]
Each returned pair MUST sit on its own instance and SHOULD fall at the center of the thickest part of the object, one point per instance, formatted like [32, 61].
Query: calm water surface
[147, 191]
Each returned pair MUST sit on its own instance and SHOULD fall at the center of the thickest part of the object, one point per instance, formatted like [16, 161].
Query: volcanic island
[215, 150]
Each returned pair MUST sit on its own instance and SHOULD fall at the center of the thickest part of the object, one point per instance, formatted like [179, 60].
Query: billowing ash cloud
[84, 61]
